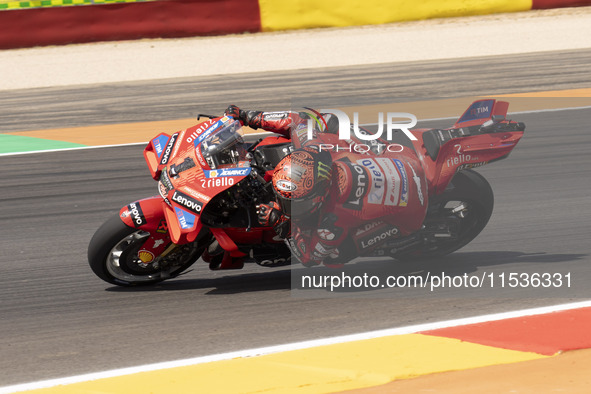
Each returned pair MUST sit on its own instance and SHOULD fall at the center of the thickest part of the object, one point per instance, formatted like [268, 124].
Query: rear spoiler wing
[482, 111]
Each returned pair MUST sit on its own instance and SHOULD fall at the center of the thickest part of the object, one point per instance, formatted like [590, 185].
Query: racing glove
[236, 113]
[270, 215]
[249, 118]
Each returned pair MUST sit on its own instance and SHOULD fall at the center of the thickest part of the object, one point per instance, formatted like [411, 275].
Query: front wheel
[113, 256]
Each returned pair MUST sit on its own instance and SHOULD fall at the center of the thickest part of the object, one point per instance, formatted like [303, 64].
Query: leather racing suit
[378, 191]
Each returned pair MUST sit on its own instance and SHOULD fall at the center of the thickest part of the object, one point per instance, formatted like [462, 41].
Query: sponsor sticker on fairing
[203, 136]
[223, 172]
[368, 227]
[459, 159]
[186, 220]
[404, 184]
[167, 151]
[198, 195]
[392, 192]
[146, 256]
[481, 109]
[207, 183]
[376, 191]
[162, 190]
[162, 227]
[187, 201]
[376, 238]
[359, 182]
[417, 180]
[159, 143]
[202, 132]
[470, 165]
[137, 215]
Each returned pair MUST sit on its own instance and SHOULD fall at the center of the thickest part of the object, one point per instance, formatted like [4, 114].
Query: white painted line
[294, 346]
[69, 149]
[264, 134]
[533, 111]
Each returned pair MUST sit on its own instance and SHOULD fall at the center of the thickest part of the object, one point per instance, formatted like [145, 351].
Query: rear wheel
[113, 256]
[455, 217]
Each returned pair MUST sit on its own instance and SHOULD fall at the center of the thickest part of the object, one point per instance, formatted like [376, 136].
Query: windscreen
[224, 146]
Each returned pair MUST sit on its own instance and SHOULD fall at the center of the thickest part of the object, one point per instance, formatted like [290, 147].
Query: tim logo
[479, 110]
[186, 220]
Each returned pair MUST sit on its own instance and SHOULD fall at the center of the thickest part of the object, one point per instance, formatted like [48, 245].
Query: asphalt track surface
[57, 319]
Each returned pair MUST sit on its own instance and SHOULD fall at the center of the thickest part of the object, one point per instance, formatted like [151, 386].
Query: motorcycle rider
[335, 204]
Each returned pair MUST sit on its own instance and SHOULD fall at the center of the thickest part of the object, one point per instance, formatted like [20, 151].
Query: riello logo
[345, 125]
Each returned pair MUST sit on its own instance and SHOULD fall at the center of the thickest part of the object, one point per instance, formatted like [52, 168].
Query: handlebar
[206, 116]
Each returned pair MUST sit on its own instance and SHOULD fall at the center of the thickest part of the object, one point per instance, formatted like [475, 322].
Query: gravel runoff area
[532, 31]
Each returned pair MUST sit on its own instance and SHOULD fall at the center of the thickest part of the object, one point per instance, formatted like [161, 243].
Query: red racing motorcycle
[210, 182]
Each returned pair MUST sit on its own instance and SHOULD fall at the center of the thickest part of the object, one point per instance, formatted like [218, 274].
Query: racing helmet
[301, 181]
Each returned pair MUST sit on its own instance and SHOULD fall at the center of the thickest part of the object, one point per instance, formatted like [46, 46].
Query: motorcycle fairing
[187, 201]
[180, 141]
[226, 242]
[147, 215]
[466, 145]
[183, 226]
[391, 182]
[471, 152]
[185, 180]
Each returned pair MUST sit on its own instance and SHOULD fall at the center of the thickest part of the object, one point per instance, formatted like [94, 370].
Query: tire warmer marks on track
[364, 363]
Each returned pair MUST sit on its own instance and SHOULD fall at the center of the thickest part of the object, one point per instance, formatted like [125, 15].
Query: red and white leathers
[378, 191]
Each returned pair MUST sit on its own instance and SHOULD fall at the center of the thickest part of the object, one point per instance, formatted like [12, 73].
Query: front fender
[146, 214]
